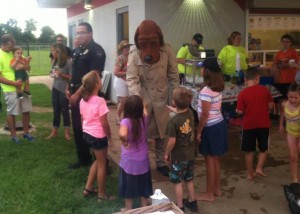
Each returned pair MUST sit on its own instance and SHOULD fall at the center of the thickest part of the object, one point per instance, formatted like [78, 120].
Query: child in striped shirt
[212, 129]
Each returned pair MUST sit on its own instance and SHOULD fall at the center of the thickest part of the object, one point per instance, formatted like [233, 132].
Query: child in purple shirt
[135, 175]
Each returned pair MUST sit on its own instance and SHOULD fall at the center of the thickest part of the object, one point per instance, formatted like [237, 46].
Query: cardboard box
[155, 208]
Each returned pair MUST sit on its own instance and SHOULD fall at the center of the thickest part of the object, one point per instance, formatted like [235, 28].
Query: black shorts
[283, 88]
[95, 143]
[250, 136]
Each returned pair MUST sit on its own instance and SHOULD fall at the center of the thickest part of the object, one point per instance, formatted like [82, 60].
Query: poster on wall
[274, 22]
[265, 31]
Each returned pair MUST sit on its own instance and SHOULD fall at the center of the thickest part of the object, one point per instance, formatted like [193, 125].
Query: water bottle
[158, 197]
[237, 61]
[52, 73]
[56, 68]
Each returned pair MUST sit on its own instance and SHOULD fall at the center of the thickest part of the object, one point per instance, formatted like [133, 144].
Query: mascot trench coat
[155, 84]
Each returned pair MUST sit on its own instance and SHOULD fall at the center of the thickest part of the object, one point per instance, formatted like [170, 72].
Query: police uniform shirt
[92, 57]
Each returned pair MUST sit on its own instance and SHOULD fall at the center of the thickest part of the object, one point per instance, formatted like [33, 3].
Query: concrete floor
[240, 196]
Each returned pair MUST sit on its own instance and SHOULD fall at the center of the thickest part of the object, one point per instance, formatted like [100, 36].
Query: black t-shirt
[92, 57]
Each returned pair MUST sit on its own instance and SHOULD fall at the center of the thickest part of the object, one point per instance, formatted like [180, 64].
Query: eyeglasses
[59, 40]
[81, 33]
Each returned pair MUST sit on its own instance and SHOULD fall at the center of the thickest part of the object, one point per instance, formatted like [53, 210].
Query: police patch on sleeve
[99, 53]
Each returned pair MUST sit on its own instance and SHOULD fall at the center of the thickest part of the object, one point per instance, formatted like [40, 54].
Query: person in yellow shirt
[9, 86]
[233, 56]
[184, 53]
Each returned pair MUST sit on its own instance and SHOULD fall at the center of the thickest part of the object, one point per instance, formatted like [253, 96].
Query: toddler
[21, 66]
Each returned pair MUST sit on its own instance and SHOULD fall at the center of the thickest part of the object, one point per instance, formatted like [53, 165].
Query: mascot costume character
[152, 74]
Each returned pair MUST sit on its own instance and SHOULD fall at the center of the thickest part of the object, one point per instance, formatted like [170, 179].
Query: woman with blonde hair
[233, 56]
[120, 84]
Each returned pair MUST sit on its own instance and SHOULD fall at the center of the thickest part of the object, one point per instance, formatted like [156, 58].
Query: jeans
[60, 106]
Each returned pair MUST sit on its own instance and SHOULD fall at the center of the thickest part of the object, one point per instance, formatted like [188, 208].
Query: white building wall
[104, 23]
[178, 19]
[181, 19]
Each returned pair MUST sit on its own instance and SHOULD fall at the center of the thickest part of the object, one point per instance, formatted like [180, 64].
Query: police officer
[87, 57]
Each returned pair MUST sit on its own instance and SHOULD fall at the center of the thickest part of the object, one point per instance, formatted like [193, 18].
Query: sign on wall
[275, 22]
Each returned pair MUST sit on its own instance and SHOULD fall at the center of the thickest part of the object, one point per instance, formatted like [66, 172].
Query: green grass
[41, 95]
[40, 63]
[34, 177]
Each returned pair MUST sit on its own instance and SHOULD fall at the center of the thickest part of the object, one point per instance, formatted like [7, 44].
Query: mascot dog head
[148, 39]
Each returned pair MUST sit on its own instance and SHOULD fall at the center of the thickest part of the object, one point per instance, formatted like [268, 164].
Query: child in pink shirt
[96, 132]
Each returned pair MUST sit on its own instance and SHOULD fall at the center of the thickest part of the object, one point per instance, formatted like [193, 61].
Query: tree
[11, 27]
[47, 35]
[28, 36]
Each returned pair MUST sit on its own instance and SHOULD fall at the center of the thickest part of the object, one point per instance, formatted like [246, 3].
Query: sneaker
[192, 206]
[28, 137]
[27, 93]
[20, 96]
[16, 140]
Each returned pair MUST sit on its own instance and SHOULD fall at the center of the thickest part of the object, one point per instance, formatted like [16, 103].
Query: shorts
[182, 170]
[95, 143]
[251, 136]
[214, 139]
[15, 106]
[283, 88]
[21, 75]
[121, 87]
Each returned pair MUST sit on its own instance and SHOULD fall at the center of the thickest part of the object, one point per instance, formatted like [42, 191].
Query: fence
[40, 63]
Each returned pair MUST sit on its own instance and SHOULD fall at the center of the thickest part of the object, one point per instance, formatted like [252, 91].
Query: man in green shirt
[14, 106]
[184, 54]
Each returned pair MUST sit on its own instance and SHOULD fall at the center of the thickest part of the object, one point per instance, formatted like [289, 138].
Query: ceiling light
[88, 4]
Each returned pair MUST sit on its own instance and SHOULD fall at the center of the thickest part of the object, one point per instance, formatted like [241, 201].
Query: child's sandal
[87, 192]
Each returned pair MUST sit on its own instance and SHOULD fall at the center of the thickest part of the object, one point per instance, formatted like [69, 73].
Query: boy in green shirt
[181, 150]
